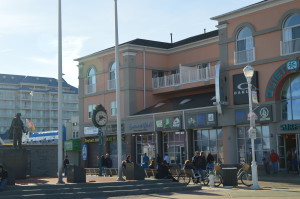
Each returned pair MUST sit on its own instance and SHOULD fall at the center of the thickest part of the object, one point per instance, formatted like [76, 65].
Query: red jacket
[274, 157]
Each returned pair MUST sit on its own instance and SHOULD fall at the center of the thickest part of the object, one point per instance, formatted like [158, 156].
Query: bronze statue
[16, 128]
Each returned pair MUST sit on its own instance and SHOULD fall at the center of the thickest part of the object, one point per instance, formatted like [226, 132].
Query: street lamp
[248, 72]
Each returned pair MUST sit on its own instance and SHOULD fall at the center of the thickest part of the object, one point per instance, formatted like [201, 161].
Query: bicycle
[218, 178]
[244, 175]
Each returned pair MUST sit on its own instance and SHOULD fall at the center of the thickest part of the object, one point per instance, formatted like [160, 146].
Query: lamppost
[248, 72]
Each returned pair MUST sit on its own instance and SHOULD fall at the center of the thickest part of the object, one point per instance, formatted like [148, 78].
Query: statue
[16, 128]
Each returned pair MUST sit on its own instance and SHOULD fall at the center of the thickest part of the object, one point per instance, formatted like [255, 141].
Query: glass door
[281, 151]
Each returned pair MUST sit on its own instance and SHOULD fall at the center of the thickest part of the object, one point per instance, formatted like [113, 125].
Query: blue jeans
[3, 184]
[275, 167]
[210, 167]
[200, 172]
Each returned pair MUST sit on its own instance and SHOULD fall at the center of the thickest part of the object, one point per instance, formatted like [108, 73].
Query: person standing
[167, 159]
[266, 161]
[146, 158]
[3, 178]
[158, 160]
[210, 162]
[274, 159]
[199, 163]
[66, 162]
[107, 162]
[16, 128]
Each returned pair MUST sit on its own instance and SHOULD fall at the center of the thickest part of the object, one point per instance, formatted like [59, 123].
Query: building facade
[177, 98]
[36, 98]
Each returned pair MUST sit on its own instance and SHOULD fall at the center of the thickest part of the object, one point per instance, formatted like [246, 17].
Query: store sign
[289, 127]
[279, 74]
[263, 113]
[113, 138]
[112, 129]
[139, 126]
[91, 140]
[72, 145]
[168, 123]
[84, 152]
[197, 120]
[240, 88]
[91, 130]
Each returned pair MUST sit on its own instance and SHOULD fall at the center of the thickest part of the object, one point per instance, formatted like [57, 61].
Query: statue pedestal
[15, 163]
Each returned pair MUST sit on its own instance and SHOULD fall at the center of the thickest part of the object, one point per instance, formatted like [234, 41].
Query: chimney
[171, 34]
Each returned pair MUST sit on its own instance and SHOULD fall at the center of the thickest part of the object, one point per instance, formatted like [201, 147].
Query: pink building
[187, 96]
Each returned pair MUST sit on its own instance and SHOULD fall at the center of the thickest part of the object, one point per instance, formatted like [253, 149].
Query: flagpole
[119, 135]
[60, 147]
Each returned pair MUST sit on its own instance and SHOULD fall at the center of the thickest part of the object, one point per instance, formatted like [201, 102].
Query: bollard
[211, 179]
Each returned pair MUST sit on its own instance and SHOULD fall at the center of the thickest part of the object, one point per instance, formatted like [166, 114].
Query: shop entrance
[287, 142]
[174, 147]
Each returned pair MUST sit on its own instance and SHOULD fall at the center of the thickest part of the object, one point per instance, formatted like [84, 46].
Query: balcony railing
[290, 47]
[111, 84]
[184, 77]
[244, 56]
[91, 88]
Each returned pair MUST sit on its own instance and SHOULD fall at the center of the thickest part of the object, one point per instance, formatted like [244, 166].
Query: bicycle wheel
[246, 179]
[205, 181]
[184, 179]
[218, 179]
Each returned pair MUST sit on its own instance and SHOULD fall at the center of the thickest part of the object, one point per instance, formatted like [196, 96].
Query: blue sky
[28, 29]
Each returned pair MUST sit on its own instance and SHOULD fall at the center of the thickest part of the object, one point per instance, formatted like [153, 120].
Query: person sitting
[3, 178]
[188, 165]
[151, 165]
[145, 165]
[163, 172]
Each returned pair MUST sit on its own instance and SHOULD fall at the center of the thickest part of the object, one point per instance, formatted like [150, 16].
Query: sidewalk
[280, 185]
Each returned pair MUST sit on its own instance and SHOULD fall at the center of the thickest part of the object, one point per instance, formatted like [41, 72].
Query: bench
[150, 173]
[92, 171]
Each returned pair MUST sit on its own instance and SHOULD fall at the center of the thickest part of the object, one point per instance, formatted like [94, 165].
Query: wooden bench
[92, 171]
[150, 173]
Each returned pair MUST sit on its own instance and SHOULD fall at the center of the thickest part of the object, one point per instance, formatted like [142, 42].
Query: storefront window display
[145, 143]
[290, 97]
[209, 140]
[261, 143]
[173, 146]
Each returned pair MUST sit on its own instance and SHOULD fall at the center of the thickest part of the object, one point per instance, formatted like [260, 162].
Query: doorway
[287, 142]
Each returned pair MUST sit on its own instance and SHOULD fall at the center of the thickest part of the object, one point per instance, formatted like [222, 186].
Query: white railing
[290, 47]
[185, 77]
[111, 84]
[244, 56]
[91, 88]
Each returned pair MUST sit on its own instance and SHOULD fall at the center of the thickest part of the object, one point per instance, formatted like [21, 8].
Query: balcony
[244, 56]
[290, 47]
[90, 89]
[184, 77]
[111, 84]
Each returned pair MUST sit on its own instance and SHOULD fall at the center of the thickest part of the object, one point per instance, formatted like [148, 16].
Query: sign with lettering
[197, 120]
[90, 130]
[168, 123]
[279, 74]
[140, 126]
[263, 113]
[240, 88]
[289, 127]
[112, 129]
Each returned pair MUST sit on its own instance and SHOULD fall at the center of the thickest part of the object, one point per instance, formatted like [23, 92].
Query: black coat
[199, 162]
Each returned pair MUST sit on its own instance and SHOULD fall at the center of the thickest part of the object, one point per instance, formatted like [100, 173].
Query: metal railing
[111, 84]
[244, 56]
[290, 47]
[184, 77]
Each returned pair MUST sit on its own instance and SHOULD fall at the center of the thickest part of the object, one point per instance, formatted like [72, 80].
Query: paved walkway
[282, 185]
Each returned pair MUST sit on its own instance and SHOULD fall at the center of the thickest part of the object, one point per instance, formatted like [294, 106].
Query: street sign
[252, 133]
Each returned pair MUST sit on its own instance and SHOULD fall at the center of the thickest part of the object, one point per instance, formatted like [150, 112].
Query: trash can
[134, 172]
[230, 176]
[75, 174]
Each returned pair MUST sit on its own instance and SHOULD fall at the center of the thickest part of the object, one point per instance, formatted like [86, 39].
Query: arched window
[290, 97]
[244, 46]
[91, 81]
[112, 72]
[291, 34]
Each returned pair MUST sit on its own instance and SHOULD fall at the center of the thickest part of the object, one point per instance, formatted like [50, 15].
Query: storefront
[72, 149]
[173, 137]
